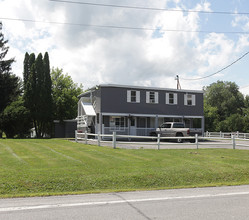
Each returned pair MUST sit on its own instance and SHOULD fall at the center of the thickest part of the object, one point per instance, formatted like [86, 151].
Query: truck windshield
[178, 125]
[166, 126]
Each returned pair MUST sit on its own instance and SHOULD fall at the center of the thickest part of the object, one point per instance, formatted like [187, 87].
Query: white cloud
[241, 21]
[101, 55]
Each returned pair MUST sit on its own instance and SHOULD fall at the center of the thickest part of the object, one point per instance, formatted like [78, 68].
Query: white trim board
[149, 115]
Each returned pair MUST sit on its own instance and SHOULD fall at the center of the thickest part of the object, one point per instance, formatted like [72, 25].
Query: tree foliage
[15, 119]
[65, 95]
[9, 83]
[224, 107]
[37, 92]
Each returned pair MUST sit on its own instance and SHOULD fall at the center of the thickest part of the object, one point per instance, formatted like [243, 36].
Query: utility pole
[178, 82]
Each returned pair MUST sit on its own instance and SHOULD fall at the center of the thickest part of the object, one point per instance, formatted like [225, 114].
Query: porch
[142, 125]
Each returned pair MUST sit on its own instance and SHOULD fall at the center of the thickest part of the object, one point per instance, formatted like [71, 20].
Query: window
[166, 126]
[171, 98]
[117, 123]
[133, 96]
[151, 97]
[178, 125]
[189, 99]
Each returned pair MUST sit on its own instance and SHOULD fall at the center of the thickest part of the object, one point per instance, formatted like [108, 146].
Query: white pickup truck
[172, 129]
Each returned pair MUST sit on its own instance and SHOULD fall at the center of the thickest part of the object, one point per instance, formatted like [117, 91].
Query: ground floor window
[117, 123]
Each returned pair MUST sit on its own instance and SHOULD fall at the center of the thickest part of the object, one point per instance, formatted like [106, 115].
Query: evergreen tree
[37, 92]
[9, 83]
[47, 95]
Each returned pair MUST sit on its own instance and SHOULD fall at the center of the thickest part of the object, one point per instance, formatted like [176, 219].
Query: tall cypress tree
[37, 94]
[47, 96]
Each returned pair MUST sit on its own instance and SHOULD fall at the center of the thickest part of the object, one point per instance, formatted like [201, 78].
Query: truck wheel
[179, 140]
[154, 135]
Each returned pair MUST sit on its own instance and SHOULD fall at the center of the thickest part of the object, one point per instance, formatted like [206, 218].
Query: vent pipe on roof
[178, 86]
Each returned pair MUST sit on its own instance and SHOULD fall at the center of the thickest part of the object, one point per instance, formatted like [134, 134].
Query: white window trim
[129, 96]
[148, 97]
[186, 99]
[167, 98]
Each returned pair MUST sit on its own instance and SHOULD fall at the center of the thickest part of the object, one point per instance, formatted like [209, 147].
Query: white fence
[127, 131]
[227, 134]
[229, 140]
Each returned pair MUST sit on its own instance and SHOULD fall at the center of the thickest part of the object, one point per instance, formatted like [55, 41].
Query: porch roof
[88, 108]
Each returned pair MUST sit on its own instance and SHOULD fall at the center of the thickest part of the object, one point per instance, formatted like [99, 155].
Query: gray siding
[114, 100]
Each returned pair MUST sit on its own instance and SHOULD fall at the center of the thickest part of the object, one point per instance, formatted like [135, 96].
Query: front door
[133, 126]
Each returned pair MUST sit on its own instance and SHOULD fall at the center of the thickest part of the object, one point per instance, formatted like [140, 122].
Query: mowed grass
[54, 167]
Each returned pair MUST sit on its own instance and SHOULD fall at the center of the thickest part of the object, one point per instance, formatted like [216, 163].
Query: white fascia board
[149, 115]
[193, 116]
[114, 114]
[127, 114]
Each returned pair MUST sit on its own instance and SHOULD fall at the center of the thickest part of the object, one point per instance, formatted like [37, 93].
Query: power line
[122, 27]
[149, 8]
[219, 70]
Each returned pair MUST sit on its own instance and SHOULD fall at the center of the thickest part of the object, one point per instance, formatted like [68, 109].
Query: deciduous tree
[224, 107]
[65, 95]
[15, 119]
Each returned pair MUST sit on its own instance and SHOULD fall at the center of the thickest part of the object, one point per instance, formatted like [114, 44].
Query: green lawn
[53, 167]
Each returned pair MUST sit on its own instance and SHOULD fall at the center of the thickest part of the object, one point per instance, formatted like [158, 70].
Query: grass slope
[51, 167]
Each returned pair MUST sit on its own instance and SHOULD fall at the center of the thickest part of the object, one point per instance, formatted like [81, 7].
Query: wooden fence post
[76, 136]
[158, 142]
[233, 142]
[114, 140]
[98, 139]
[85, 137]
[196, 141]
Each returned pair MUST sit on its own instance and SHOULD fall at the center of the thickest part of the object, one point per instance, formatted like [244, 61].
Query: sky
[97, 44]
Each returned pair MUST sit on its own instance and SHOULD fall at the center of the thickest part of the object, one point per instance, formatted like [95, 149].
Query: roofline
[88, 91]
[138, 87]
[151, 88]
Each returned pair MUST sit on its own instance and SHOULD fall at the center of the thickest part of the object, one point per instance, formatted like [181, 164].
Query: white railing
[127, 131]
[81, 122]
[221, 134]
[195, 141]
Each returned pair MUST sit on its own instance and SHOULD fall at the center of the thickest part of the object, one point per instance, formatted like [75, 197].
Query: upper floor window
[151, 97]
[189, 99]
[133, 96]
[171, 98]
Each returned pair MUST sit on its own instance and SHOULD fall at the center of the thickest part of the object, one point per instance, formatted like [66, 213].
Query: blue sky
[133, 57]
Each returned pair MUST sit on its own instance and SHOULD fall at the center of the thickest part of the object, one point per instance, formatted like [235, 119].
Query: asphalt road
[198, 203]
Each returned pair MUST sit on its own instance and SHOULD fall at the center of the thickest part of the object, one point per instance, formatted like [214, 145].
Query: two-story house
[137, 110]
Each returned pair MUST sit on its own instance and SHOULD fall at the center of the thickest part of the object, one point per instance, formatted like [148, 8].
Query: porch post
[203, 125]
[100, 123]
[156, 121]
[129, 124]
